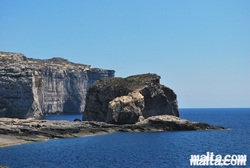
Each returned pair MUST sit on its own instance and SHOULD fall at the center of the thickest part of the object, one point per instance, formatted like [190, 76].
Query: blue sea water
[67, 117]
[155, 149]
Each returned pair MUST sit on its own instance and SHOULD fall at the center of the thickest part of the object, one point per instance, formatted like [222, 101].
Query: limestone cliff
[129, 100]
[33, 87]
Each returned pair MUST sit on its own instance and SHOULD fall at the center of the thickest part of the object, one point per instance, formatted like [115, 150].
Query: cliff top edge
[10, 59]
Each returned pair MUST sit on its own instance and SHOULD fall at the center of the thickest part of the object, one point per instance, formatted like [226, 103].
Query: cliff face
[129, 100]
[33, 87]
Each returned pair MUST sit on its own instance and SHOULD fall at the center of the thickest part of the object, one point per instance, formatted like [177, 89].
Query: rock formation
[129, 100]
[33, 87]
[14, 131]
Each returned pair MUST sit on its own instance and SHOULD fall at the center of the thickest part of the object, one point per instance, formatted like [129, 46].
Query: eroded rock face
[129, 100]
[125, 109]
[32, 87]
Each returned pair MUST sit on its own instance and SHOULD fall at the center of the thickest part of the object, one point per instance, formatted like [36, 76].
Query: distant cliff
[33, 87]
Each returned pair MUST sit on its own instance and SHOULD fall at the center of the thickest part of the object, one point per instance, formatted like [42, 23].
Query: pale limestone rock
[125, 109]
[32, 87]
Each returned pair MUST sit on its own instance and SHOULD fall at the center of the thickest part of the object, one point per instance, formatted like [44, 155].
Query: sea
[140, 150]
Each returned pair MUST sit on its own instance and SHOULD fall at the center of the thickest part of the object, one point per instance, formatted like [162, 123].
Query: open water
[68, 117]
[118, 150]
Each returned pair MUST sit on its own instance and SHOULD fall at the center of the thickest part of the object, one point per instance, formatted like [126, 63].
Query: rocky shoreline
[16, 131]
[32, 88]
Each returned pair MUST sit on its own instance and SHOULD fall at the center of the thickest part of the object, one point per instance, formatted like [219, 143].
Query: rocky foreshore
[15, 131]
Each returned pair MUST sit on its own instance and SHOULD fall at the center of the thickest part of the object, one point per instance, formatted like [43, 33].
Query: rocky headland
[34, 87]
[31, 88]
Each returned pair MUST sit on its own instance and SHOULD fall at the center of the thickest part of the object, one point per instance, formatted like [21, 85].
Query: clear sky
[200, 48]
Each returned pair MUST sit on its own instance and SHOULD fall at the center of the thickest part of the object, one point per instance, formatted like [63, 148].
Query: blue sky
[200, 48]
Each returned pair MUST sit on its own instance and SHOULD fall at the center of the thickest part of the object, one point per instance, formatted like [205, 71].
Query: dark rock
[127, 100]
[33, 87]
[77, 120]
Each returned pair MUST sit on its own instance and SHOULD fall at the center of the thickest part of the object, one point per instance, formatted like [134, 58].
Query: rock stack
[129, 100]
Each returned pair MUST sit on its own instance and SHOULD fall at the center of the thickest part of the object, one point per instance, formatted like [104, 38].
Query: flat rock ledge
[16, 131]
